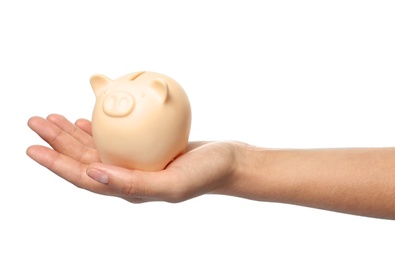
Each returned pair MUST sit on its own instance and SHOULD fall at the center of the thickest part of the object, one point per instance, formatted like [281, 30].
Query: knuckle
[78, 179]
[130, 189]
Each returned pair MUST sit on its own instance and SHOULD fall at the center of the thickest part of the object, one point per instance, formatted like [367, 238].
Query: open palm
[205, 167]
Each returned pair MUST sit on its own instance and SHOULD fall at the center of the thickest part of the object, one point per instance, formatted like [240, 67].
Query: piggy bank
[140, 121]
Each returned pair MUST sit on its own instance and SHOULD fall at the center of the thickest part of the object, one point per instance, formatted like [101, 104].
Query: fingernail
[97, 175]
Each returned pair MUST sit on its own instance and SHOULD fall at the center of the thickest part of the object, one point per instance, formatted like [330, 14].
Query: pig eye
[106, 91]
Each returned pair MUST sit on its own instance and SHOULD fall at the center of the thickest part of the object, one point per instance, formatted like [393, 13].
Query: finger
[70, 128]
[62, 142]
[66, 168]
[133, 185]
[84, 125]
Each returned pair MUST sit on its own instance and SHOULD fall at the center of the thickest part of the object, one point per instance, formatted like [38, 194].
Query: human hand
[205, 167]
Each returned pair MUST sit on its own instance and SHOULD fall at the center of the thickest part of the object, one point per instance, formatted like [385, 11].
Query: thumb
[126, 183]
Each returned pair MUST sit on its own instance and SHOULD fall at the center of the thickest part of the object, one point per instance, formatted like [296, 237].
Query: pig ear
[161, 89]
[99, 82]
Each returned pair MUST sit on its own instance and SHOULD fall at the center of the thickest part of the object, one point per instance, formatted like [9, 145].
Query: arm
[357, 181]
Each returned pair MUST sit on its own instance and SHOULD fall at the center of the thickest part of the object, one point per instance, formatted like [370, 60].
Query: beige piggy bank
[140, 121]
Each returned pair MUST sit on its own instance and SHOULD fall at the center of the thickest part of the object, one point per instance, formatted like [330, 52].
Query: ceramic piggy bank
[140, 121]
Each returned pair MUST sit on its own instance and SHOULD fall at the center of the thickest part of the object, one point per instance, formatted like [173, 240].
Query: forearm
[357, 181]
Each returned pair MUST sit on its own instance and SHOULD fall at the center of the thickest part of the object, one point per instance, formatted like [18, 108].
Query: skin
[357, 181]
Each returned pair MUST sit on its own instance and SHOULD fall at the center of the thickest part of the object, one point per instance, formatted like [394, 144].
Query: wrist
[248, 174]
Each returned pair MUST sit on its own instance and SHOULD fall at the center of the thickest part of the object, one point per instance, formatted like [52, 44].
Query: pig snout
[118, 104]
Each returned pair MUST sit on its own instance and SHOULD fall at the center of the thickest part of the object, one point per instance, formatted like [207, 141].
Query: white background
[295, 74]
